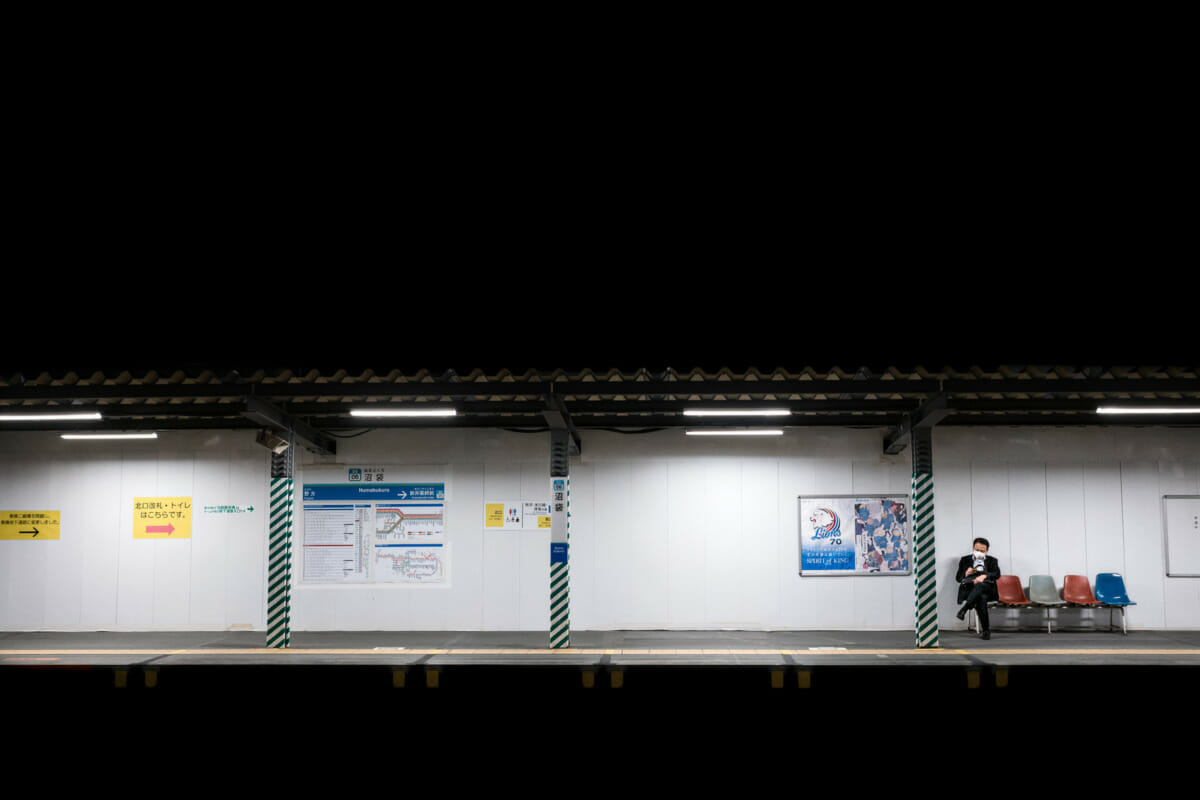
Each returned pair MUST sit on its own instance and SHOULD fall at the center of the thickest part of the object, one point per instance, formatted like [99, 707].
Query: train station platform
[816, 663]
[663, 708]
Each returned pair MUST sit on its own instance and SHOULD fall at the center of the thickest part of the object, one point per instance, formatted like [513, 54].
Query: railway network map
[410, 543]
[408, 524]
[410, 563]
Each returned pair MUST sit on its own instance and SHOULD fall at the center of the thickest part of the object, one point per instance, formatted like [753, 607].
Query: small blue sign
[558, 552]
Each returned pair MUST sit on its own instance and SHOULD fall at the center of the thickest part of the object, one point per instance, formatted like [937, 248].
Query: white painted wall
[666, 531]
[97, 576]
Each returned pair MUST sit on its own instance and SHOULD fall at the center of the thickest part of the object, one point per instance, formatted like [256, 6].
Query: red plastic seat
[1009, 592]
[1078, 591]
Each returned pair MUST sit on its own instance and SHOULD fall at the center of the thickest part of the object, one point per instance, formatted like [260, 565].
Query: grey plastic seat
[1043, 593]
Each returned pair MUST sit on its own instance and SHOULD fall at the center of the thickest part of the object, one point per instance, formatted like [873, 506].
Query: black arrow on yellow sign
[34, 532]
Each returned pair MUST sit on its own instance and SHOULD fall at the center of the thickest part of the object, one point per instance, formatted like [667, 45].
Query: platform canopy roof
[620, 356]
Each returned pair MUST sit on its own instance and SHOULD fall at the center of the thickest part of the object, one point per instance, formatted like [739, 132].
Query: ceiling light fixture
[403, 412]
[109, 435]
[733, 412]
[1148, 410]
[65, 416]
[747, 432]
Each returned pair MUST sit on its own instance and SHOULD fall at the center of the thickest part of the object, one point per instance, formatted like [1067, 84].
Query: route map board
[370, 530]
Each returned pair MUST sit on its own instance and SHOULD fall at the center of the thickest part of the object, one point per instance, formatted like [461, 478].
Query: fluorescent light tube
[746, 412]
[50, 417]
[1148, 410]
[110, 435]
[749, 432]
[403, 412]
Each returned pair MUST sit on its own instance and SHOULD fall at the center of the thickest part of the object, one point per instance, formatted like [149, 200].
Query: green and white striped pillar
[560, 569]
[279, 552]
[924, 557]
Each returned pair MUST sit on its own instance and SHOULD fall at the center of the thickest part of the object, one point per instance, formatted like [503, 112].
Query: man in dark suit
[976, 576]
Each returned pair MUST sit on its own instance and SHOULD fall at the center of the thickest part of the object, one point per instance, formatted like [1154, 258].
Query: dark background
[651, 200]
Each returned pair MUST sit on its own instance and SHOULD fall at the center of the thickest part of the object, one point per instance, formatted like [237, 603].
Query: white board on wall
[1181, 523]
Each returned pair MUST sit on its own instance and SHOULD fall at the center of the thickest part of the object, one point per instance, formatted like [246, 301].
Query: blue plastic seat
[1110, 591]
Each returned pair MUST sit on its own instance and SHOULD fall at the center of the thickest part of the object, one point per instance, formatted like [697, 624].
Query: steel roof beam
[271, 416]
[929, 414]
[557, 417]
[533, 389]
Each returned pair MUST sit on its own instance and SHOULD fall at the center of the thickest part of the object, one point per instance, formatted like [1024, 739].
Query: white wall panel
[761, 534]
[585, 611]
[464, 520]
[25, 561]
[63, 566]
[649, 554]
[501, 552]
[953, 526]
[210, 542]
[1066, 541]
[1142, 549]
[687, 534]
[797, 477]
[1024, 553]
[245, 564]
[990, 507]
[535, 550]
[135, 570]
[665, 532]
[93, 514]
[721, 526]
[1181, 596]
[173, 558]
[1103, 520]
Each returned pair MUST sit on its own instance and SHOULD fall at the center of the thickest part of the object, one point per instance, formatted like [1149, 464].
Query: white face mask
[978, 555]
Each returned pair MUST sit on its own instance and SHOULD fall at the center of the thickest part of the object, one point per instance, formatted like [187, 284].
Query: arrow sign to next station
[34, 532]
[167, 529]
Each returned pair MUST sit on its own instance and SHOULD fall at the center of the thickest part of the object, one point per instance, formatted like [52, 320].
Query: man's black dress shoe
[985, 635]
[962, 613]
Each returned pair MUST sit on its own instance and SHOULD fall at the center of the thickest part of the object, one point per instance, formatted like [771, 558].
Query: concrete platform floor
[796, 655]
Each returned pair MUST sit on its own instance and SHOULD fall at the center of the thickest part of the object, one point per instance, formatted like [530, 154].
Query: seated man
[976, 577]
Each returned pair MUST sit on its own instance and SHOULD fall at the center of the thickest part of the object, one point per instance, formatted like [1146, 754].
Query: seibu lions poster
[855, 535]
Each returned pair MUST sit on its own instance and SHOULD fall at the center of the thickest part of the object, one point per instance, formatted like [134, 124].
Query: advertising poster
[854, 535]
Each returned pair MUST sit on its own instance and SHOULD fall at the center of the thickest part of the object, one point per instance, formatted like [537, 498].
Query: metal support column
[279, 555]
[560, 575]
[924, 558]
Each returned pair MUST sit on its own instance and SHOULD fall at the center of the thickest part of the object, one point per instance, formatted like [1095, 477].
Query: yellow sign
[493, 515]
[162, 517]
[543, 522]
[33, 525]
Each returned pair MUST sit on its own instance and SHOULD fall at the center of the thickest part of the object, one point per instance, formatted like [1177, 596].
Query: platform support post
[279, 551]
[560, 520]
[924, 557]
